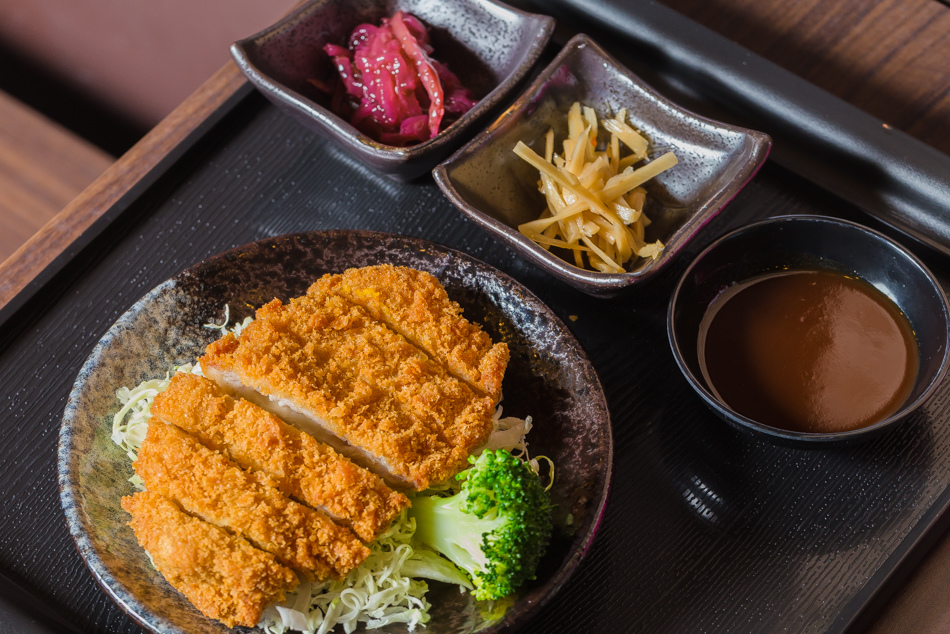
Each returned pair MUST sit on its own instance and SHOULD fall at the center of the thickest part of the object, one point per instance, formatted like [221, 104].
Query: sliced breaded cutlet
[220, 573]
[325, 365]
[302, 467]
[415, 304]
[208, 485]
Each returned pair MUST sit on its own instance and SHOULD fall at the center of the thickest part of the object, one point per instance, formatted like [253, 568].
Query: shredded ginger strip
[594, 197]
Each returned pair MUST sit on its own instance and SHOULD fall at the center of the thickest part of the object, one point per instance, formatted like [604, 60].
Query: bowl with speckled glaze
[549, 377]
[498, 190]
[488, 45]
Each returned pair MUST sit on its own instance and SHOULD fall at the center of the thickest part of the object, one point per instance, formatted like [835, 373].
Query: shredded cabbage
[509, 433]
[386, 588]
[223, 327]
[136, 403]
[130, 423]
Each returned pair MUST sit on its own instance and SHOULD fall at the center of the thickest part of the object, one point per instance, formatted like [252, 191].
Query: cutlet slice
[205, 483]
[414, 304]
[325, 365]
[303, 468]
[220, 573]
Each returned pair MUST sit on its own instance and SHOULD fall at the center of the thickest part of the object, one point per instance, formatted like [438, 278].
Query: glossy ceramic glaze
[812, 242]
[549, 377]
[497, 189]
[488, 45]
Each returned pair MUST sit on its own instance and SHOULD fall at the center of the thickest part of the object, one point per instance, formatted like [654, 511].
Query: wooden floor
[42, 167]
[890, 58]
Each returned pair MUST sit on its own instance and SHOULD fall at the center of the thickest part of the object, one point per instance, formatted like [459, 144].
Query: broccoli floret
[496, 528]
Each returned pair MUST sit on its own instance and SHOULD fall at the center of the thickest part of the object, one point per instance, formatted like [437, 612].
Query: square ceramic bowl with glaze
[488, 45]
[494, 187]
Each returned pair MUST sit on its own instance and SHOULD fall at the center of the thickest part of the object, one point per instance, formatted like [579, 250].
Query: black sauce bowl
[793, 242]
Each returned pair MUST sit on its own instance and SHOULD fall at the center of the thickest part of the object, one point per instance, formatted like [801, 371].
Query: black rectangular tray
[705, 530]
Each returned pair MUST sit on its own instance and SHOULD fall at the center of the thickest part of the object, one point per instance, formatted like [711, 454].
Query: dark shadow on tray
[738, 508]
[382, 184]
[732, 481]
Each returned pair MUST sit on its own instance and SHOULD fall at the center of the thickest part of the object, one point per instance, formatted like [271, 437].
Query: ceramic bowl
[549, 377]
[790, 242]
[487, 44]
[498, 190]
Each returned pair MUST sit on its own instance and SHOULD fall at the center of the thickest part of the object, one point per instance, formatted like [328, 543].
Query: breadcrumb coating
[302, 467]
[415, 304]
[361, 381]
[207, 484]
[221, 574]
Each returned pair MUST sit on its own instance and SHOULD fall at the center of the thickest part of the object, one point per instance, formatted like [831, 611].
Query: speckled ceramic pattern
[549, 378]
[497, 189]
[489, 45]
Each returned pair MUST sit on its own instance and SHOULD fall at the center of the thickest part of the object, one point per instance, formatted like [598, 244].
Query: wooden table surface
[891, 58]
[42, 168]
[888, 57]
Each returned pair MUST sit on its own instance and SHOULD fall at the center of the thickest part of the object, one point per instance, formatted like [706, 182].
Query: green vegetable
[496, 528]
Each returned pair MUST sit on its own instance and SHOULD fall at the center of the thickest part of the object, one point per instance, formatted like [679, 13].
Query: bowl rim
[797, 438]
[342, 129]
[595, 282]
[388, 247]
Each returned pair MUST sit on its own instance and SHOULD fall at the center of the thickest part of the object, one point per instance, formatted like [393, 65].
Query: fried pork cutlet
[303, 468]
[207, 484]
[325, 365]
[220, 573]
[414, 304]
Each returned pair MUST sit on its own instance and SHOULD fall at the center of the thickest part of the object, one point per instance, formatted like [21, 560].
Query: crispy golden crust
[414, 304]
[207, 484]
[220, 573]
[364, 382]
[302, 467]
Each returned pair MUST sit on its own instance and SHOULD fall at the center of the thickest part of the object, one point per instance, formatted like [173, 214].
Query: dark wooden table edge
[870, 603]
[54, 245]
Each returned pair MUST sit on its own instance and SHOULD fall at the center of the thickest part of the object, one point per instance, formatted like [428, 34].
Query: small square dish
[488, 45]
[493, 186]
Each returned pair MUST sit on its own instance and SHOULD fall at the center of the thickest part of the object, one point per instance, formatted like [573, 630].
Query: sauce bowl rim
[797, 437]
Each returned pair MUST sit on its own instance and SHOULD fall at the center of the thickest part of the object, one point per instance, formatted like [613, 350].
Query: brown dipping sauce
[809, 351]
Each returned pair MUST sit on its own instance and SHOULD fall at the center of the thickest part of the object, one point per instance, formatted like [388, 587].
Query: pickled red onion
[389, 87]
